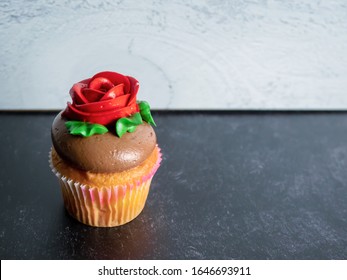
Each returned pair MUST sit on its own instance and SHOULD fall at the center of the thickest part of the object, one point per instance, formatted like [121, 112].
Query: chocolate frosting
[103, 153]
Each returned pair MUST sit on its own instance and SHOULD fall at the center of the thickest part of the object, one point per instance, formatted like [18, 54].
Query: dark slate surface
[231, 186]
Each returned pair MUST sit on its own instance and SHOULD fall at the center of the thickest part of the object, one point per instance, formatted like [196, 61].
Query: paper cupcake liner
[105, 206]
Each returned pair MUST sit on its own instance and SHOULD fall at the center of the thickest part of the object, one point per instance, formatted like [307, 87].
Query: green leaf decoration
[124, 125]
[85, 129]
[146, 112]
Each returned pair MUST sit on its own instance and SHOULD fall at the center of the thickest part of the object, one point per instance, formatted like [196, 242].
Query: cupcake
[105, 150]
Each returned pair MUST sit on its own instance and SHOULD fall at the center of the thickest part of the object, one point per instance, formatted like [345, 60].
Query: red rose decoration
[103, 99]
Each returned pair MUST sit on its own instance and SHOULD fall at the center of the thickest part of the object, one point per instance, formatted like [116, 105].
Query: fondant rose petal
[76, 94]
[134, 88]
[103, 118]
[92, 95]
[114, 92]
[134, 85]
[101, 83]
[115, 78]
[105, 105]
